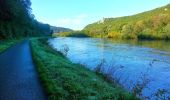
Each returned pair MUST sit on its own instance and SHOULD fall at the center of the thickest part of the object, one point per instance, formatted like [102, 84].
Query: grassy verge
[64, 80]
[6, 44]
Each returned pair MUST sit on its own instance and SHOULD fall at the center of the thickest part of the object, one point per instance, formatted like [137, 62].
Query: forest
[17, 20]
[154, 24]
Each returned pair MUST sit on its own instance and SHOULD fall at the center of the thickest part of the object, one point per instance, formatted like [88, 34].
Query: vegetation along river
[142, 67]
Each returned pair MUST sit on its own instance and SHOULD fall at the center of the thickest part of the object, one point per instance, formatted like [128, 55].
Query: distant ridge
[60, 29]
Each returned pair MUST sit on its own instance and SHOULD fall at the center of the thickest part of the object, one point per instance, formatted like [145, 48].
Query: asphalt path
[18, 76]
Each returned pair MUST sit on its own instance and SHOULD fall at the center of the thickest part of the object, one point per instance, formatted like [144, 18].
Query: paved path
[18, 76]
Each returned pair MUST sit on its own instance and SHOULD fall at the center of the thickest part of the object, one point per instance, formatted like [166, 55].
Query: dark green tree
[17, 20]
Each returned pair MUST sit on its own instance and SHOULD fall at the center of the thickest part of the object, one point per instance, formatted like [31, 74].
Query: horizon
[53, 13]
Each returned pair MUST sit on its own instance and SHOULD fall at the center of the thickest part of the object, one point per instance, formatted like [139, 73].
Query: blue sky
[76, 14]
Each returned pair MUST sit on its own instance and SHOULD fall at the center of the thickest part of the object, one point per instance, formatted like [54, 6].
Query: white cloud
[67, 22]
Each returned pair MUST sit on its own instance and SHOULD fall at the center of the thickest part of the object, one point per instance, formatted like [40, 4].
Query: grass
[64, 80]
[5, 44]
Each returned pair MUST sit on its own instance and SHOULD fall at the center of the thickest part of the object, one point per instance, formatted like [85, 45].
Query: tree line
[17, 20]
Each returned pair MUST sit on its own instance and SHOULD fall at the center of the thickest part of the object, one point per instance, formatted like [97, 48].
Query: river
[139, 66]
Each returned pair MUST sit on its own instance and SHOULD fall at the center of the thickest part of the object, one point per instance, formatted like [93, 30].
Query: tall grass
[111, 72]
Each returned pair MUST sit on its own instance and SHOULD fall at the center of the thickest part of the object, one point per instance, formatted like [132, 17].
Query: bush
[73, 34]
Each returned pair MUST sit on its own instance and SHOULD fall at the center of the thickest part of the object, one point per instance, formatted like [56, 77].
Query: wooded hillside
[16, 20]
[154, 24]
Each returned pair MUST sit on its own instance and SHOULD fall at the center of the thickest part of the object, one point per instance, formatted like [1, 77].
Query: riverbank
[112, 36]
[5, 44]
[63, 79]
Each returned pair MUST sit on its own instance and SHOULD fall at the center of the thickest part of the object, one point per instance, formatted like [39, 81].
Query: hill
[59, 29]
[154, 24]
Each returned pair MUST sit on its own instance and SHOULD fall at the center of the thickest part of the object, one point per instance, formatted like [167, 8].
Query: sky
[76, 14]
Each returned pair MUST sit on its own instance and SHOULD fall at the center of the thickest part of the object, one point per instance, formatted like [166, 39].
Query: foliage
[64, 80]
[16, 20]
[152, 24]
[73, 34]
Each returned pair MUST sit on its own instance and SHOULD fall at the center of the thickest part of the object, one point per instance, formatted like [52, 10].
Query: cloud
[77, 20]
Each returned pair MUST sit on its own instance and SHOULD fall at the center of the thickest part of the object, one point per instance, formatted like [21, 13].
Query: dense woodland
[16, 20]
[154, 24]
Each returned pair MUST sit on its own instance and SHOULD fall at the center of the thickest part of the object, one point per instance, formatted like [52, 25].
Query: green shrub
[72, 34]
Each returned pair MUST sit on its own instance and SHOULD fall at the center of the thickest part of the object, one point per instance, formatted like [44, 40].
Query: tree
[166, 31]
[139, 26]
[16, 20]
[127, 29]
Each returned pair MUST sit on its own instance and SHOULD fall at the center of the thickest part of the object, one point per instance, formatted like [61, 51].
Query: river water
[139, 66]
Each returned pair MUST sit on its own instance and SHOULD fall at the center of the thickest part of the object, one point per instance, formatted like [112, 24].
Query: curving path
[18, 76]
